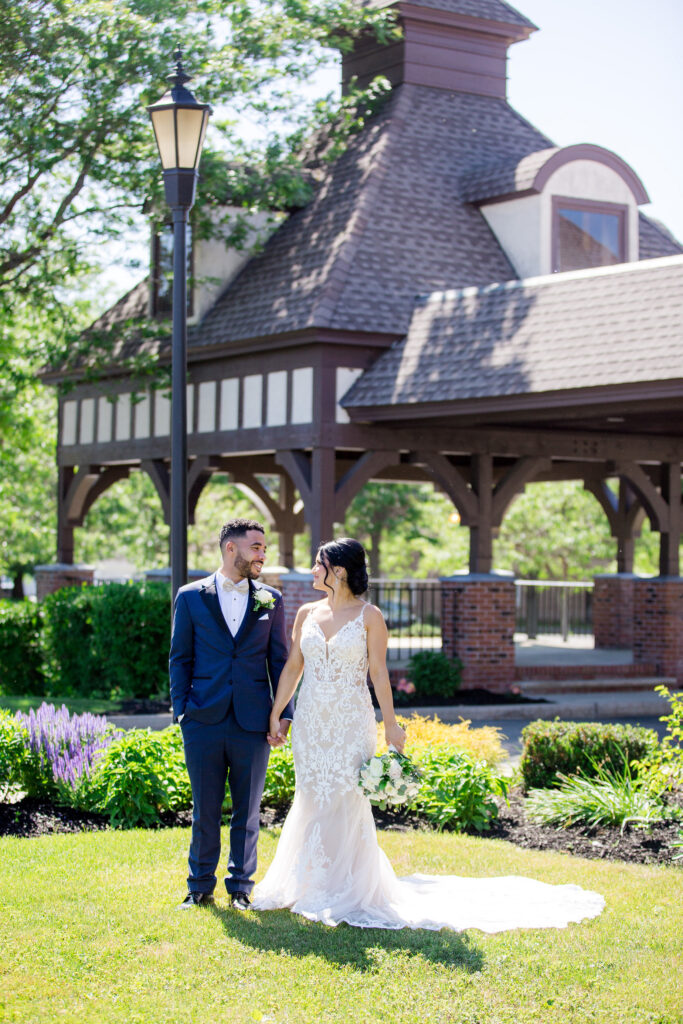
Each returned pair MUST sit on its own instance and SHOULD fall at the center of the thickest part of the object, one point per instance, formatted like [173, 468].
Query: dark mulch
[478, 696]
[30, 818]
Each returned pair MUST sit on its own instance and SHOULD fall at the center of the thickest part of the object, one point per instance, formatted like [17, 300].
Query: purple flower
[66, 745]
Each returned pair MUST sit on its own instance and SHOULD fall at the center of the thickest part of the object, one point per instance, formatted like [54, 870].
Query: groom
[228, 648]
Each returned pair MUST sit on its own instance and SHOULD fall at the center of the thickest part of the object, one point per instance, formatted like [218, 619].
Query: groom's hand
[279, 738]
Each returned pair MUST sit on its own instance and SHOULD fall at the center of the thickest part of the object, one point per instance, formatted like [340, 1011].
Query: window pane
[162, 272]
[588, 238]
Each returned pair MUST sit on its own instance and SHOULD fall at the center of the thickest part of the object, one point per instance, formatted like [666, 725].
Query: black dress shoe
[240, 901]
[196, 899]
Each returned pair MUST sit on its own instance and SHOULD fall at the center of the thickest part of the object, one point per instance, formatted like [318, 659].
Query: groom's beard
[247, 569]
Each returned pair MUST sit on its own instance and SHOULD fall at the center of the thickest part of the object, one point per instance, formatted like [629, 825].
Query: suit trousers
[214, 754]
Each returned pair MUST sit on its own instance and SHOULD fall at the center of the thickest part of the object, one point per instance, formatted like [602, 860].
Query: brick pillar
[62, 574]
[613, 596]
[296, 590]
[658, 624]
[478, 627]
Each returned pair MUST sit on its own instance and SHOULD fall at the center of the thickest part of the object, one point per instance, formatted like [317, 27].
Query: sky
[607, 72]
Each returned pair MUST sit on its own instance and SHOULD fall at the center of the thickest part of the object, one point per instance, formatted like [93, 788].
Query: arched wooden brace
[86, 487]
[326, 499]
[663, 507]
[625, 515]
[279, 514]
[481, 503]
[159, 474]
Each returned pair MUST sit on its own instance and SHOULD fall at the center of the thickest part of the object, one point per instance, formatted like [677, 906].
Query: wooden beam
[365, 469]
[449, 478]
[517, 477]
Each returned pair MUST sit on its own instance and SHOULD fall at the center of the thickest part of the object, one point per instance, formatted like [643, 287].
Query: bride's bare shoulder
[306, 608]
[372, 615]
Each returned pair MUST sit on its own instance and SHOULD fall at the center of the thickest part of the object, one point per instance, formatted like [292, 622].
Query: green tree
[78, 165]
[555, 531]
[28, 486]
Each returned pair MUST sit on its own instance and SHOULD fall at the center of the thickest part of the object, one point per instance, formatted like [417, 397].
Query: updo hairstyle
[350, 555]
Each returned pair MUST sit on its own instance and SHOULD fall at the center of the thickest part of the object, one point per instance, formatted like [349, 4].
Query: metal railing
[557, 607]
[412, 610]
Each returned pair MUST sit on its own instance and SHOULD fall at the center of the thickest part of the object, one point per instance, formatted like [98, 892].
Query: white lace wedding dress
[328, 865]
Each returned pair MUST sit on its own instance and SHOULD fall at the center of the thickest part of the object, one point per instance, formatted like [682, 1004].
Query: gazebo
[460, 302]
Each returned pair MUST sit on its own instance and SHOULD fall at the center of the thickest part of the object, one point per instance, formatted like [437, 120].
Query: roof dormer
[560, 209]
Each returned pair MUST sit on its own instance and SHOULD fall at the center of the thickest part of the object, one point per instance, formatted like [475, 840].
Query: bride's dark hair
[350, 554]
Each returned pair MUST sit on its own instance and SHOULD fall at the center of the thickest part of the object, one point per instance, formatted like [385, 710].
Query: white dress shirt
[233, 604]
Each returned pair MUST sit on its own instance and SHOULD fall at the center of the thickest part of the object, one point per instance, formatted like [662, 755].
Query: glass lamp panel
[163, 122]
[190, 135]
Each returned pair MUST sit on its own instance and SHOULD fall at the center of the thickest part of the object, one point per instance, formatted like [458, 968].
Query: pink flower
[405, 686]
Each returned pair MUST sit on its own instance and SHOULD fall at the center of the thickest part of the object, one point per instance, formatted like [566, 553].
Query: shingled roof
[585, 329]
[491, 10]
[387, 221]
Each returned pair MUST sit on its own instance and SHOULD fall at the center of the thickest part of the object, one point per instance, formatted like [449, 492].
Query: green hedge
[21, 656]
[571, 747]
[109, 641]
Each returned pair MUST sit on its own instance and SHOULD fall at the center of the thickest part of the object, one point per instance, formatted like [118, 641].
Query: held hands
[395, 736]
[277, 731]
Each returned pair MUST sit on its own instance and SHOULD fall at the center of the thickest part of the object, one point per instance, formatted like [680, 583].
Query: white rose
[395, 770]
[376, 767]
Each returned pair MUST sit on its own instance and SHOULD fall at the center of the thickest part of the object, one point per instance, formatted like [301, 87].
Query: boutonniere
[263, 599]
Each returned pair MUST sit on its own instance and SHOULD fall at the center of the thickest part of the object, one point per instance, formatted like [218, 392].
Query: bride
[328, 865]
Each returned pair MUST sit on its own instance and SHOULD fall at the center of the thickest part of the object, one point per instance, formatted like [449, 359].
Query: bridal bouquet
[389, 779]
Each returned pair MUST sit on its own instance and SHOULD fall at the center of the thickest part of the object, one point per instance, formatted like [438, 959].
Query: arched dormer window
[560, 209]
[161, 276]
[587, 234]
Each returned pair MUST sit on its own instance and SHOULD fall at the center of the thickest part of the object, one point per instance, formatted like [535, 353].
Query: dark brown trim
[576, 400]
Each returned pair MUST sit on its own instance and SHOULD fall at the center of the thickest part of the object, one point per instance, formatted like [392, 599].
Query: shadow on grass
[363, 949]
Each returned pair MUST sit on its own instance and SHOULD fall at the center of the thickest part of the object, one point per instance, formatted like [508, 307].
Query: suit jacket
[211, 670]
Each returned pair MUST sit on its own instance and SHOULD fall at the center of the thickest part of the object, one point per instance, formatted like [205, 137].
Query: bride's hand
[395, 736]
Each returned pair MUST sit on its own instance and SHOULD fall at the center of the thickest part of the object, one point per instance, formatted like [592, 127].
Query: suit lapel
[209, 596]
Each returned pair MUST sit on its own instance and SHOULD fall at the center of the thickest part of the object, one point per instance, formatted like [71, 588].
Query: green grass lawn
[89, 932]
[76, 705]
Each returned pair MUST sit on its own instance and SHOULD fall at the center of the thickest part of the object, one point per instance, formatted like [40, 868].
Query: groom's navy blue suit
[223, 687]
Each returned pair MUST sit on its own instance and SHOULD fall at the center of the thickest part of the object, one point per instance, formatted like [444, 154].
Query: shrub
[279, 787]
[60, 751]
[483, 744]
[21, 656]
[67, 638]
[435, 675]
[457, 791]
[13, 744]
[609, 798]
[109, 641]
[663, 766]
[139, 777]
[578, 747]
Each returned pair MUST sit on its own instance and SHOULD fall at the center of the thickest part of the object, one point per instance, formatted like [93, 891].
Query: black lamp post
[179, 124]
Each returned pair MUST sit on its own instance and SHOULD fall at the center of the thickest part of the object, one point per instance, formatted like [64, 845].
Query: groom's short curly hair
[238, 528]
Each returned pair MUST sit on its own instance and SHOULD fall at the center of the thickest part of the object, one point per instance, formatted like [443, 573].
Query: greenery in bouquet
[390, 779]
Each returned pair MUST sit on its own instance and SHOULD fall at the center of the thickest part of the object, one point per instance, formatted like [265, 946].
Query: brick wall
[658, 625]
[296, 590]
[613, 598]
[62, 574]
[478, 626]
